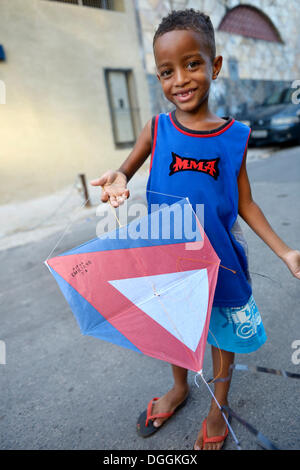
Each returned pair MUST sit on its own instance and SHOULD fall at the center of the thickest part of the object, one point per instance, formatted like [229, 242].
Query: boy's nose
[181, 78]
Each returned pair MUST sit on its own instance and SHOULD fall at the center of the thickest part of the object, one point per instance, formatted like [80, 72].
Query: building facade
[78, 79]
[258, 39]
[75, 92]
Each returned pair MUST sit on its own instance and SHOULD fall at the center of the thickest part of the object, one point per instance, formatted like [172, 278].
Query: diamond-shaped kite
[152, 293]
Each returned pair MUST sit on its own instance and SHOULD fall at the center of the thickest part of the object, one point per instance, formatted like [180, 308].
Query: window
[123, 106]
[280, 97]
[250, 22]
[105, 4]
[233, 68]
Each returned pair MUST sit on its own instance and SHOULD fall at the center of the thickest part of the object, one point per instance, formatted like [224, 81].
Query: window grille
[250, 22]
[104, 4]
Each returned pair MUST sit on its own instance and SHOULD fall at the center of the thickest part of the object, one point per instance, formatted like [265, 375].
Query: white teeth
[184, 94]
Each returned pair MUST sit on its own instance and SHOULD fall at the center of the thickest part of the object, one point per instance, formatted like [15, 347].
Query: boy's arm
[254, 217]
[139, 154]
[114, 182]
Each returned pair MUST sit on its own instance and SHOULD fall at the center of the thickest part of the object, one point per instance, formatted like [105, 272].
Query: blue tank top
[204, 166]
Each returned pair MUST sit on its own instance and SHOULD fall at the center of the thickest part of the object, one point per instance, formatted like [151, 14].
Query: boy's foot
[215, 426]
[168, 403]
[160, 410]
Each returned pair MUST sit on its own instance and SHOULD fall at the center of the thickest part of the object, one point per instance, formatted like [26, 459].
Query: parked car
[277, 120]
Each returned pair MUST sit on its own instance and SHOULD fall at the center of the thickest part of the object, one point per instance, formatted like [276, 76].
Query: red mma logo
[203, 166]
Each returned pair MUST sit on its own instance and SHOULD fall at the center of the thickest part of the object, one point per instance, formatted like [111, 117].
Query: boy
[186, 61]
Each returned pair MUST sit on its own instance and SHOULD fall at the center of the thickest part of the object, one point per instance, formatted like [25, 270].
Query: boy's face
[185, 68]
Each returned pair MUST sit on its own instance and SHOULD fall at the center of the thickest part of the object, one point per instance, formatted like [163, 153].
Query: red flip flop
[145, 426]
[213, 439]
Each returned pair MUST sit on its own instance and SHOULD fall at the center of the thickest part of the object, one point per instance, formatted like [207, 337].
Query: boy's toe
[198, 444]
[157, 422]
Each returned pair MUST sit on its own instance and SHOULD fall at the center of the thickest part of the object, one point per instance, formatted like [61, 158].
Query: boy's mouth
[185, 95]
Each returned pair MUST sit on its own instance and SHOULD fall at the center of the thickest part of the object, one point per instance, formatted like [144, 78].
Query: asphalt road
[62, 390]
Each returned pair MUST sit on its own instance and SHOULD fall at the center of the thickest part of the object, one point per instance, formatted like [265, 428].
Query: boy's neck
[201, 119]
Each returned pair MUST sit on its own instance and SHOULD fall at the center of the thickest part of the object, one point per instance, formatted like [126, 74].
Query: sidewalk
[63, 390]
[32, 220]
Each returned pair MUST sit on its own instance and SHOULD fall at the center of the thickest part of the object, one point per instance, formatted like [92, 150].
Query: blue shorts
[237, 329]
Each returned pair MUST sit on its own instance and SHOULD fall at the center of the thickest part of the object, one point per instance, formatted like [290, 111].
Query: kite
[148, 286]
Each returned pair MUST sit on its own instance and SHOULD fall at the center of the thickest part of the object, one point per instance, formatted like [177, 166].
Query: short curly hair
[192, 20]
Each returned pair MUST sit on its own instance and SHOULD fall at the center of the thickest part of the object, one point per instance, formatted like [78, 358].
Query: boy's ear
[217, 65]
[158, 77]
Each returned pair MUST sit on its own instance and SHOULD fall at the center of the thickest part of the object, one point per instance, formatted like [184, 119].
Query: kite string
[154, 192]
[120, 225]
[115, 214]
[220, 408]
[205, 261]
[68, 225]
[221, 360]
[236, 272]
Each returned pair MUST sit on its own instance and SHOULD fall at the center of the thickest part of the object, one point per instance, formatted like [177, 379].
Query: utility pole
[84, 189]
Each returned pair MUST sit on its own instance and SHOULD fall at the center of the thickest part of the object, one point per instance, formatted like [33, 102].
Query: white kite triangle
[177, 301]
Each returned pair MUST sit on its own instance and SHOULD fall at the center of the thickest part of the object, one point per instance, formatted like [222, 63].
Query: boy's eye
[193, 65]
[165, 73]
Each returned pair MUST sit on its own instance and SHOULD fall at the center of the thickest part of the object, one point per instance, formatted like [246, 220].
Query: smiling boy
[198, 155]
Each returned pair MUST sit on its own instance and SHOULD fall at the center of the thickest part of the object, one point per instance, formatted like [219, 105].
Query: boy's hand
[114, 187]
[292, 260]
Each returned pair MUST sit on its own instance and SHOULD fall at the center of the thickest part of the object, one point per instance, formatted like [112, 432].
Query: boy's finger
[121, 199]
[99, 181]
[125, 195]
[104, 196]
[113, 201]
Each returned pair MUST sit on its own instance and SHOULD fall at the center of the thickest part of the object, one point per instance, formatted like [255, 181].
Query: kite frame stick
[163, 306]
[164, 194]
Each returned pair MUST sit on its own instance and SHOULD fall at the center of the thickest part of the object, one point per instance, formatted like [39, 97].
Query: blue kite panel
[88, 318]
[168, 225]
